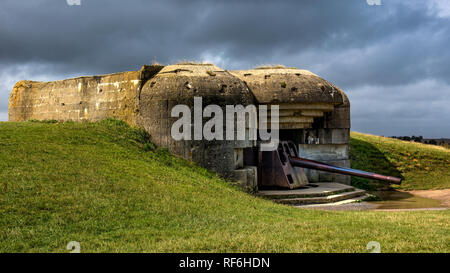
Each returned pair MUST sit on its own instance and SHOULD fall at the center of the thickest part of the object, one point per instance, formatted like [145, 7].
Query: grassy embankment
[422, 166]
[105, 186]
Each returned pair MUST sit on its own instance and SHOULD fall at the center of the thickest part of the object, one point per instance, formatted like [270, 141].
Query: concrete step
[334, 204]
[320, 190]
[323, 199]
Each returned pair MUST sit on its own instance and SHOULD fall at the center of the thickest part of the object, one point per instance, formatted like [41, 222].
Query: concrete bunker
[314, 114]
[179, 84]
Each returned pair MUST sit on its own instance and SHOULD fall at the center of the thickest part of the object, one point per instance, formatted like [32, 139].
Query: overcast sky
[392, 60]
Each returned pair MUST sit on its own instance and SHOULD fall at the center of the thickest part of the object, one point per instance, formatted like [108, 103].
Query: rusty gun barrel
[311, 164]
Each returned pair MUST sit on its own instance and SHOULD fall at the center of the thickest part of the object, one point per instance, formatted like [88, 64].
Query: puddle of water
[403, 200]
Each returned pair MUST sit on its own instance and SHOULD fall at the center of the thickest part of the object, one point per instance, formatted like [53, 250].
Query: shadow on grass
[367, 157]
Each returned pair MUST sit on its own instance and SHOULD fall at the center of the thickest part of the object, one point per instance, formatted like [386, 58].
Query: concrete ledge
[324, 193]
[322, 200]
[324, 152]
[247, 177]
[322, 189]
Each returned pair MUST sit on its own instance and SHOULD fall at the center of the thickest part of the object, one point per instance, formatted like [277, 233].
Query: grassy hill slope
[105, 186]
[422, 166]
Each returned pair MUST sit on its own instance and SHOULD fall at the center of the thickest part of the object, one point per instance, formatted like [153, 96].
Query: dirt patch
[398, 201]
[441, 195]
[403, 200]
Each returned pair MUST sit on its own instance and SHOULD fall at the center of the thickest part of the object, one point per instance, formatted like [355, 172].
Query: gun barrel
[311, 164]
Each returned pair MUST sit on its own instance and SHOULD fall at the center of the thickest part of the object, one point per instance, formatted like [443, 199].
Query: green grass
[107, 187]
[421, 166]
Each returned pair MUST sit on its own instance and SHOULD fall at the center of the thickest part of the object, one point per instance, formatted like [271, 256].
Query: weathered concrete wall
[84, 98]
[331, 144]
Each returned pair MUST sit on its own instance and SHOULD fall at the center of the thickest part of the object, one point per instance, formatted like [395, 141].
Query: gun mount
[284, 168]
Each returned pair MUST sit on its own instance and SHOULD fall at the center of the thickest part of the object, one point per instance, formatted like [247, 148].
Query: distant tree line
[442, 142]
[431, 141]
[410, 138]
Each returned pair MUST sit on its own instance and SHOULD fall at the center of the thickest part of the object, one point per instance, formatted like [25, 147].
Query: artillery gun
[285, 168]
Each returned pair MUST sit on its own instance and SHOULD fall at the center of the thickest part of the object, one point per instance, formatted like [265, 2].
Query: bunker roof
[191, 69]
[275, 84]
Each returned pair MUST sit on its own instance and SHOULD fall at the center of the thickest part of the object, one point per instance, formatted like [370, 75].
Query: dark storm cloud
[98, 35]
[361, 48]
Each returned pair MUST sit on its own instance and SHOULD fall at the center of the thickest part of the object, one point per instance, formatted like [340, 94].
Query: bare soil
[441, 195]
